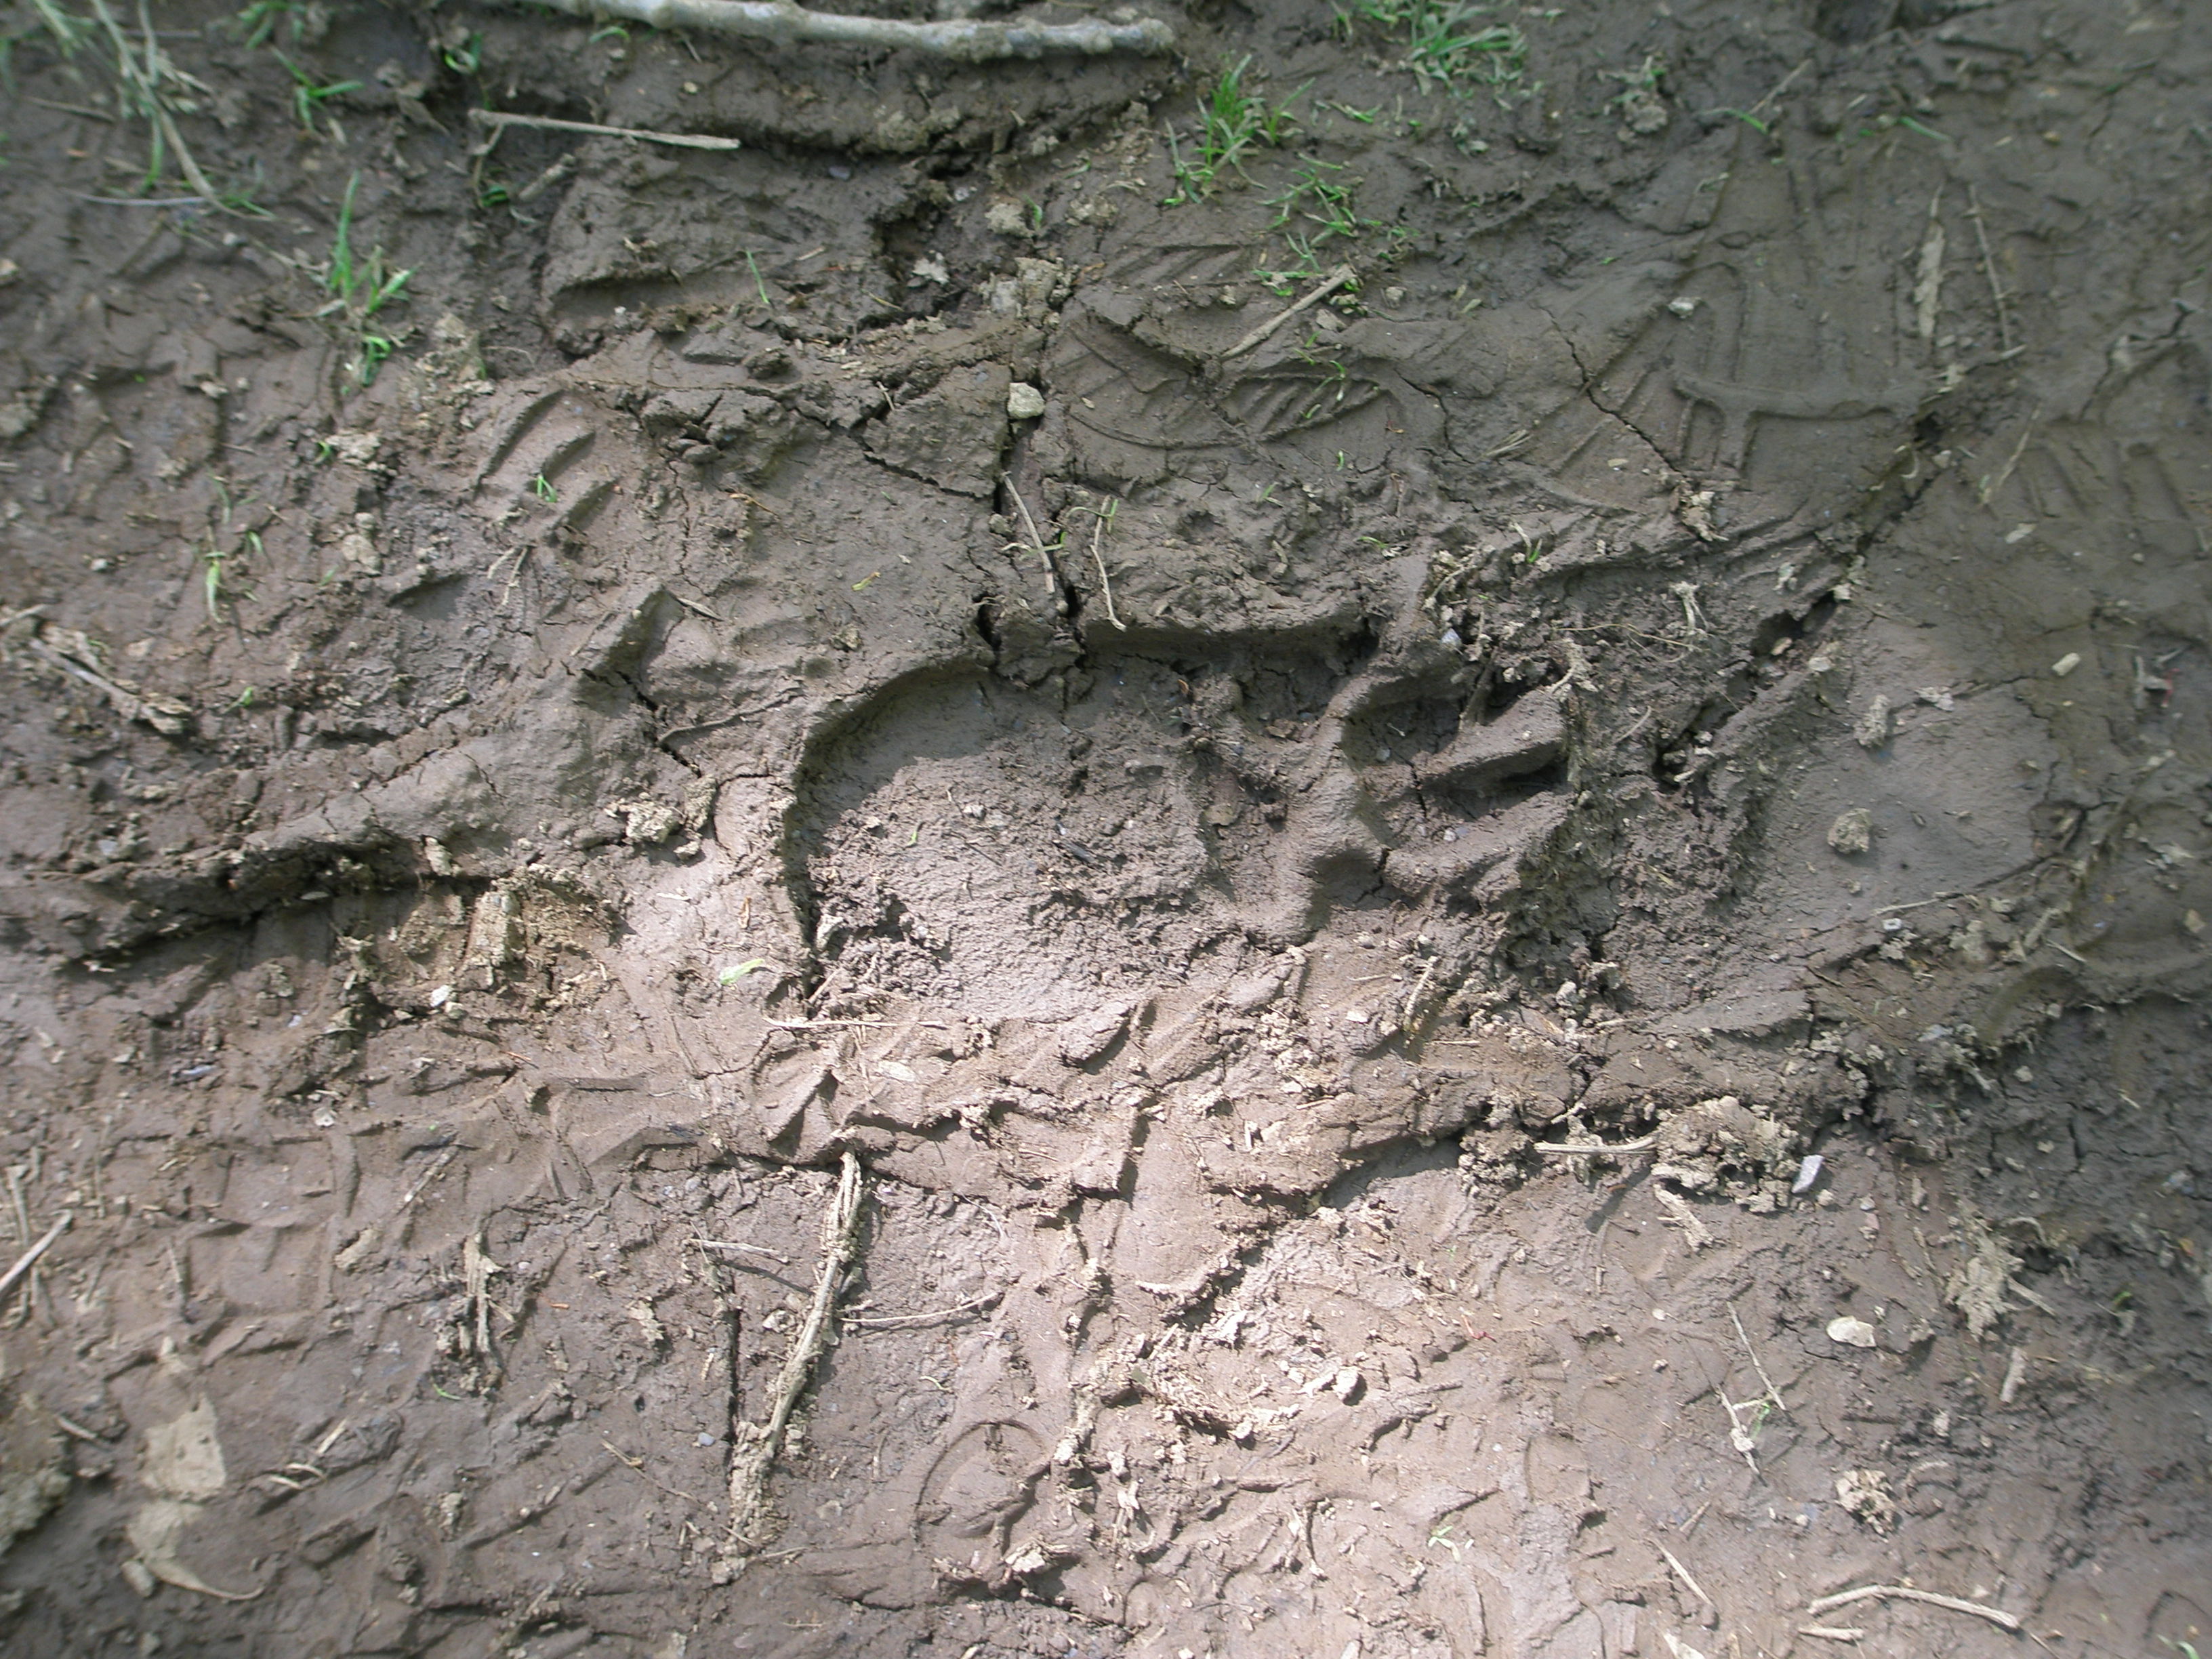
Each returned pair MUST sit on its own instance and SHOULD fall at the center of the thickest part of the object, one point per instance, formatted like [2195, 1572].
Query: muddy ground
[1332, 880]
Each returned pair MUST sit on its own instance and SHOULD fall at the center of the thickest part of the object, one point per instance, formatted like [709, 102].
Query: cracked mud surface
[1333, 879]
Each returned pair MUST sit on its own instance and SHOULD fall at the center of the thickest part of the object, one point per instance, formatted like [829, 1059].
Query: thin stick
[163, 715]
[1335, 280]
[752, 1458]
[1867, 1592]
[757, 1249]
[815, 1024]
[1098, 555]
[74, 109]
[1995, 482]
[1780, 86]
[29, 1258]
[430, 1174]
[893, 1322]
[1561, 1150]
[499, 120]
[1052, 582]
[785, 24]
[1683, 1573]
[1990, 269]
[1834, 1633]
[1772, 1393]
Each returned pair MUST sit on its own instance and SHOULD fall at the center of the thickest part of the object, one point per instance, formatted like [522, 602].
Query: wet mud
[1490, 835]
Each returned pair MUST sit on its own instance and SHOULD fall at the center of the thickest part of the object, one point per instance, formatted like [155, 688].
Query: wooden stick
[1335, 280]
[1772, 1393]
[819, 1025]
[29, 1258]
[894, 1321]
[1558, 1150]
[1997, 294]
[1867, 1592]
[1683, 1572]
[757, 1445]
[499, 120]
[1105, 582]
[783, 24]
[726, 1244]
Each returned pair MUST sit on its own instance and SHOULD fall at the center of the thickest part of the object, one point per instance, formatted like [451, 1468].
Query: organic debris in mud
[965, 40]
[1865, 1493]
[756, 1446]
[1977, 1286]
[35, 1472]
[1906, 1593]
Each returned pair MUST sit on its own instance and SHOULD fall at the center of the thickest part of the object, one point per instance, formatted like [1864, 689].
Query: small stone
[1024, 401]
[1852, 832]
[1853, 1333]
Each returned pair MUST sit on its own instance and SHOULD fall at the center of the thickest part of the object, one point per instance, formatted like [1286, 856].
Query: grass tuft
[1233, 122]
[1449, 46]
[360, 288]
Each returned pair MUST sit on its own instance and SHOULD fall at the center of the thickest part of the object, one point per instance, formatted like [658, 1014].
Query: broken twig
[753, 1455]
[730, 1244]
[1868, 1592]
[896, 1321]
[25, 1261]
[1099, 521]
[1683, 1573]
[1694, 1231]
[497, 121]
[1744, 1337]
[1997, 294]
[1335, 280]
[1567, 1149]
[819, 1024]
[967, 39]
